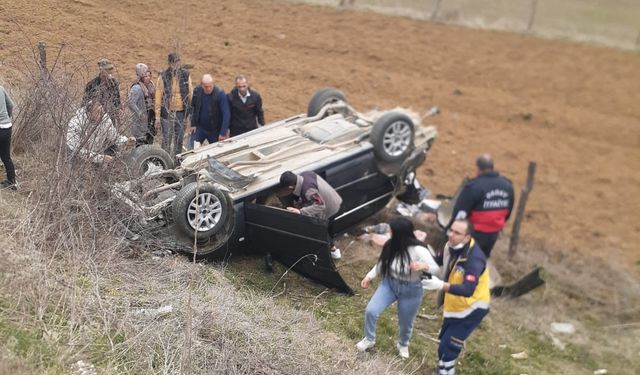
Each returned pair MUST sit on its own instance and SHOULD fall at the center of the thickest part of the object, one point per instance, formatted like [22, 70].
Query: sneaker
[403, 351]
[365, 344]
[335, 253]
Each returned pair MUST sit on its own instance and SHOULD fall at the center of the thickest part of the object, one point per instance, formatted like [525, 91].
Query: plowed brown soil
[572, 108]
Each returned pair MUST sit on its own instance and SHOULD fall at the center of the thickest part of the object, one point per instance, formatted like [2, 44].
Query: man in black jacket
[209, 112]
[246, 107]
[105, 89]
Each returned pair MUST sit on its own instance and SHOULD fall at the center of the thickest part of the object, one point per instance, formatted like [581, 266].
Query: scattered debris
[424, 206]
[428, 316]
[526, 284]
[432, 112]
[526, 116]
[380, 228]
[161, 253]
[557, 343]
[85, 368]
[600, 371]
[155, 312]
[457, 92]
[502, 346]
[521, 355]
[379, 234]
[566, 328]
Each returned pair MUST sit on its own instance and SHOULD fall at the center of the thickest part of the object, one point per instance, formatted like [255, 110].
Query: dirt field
[572, 108]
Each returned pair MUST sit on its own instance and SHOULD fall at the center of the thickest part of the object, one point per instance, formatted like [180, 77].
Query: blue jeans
[409, 297]
[173, 130]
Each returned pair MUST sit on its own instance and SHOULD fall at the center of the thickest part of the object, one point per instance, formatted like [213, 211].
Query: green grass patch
[35, 346]
[487, 351]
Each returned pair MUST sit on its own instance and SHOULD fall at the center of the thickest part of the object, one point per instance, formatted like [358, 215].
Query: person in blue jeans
[400, 255]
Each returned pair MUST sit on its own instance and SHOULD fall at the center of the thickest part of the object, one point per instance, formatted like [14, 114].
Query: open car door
[444, 213]
[300, 242]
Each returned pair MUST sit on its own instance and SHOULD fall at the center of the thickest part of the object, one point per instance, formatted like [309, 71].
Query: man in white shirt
[92, 136]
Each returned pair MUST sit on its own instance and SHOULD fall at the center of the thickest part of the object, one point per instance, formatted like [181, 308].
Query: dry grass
[72, 288]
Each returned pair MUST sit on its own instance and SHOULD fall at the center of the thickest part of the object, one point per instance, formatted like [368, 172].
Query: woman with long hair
[401, 263]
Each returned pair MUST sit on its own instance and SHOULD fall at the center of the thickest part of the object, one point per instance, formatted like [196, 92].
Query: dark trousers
[486, 241]
[173, 132]
[201, 134]
[5, 154]
[452, 335]
[150, 133]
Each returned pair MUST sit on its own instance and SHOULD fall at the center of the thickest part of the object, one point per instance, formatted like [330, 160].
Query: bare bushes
[74, 288]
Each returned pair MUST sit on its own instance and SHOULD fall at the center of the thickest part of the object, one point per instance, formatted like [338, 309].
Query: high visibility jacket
[469, 283]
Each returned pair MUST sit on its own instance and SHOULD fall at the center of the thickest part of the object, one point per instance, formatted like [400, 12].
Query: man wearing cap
[105, 89]
[246, 107]
[138, 100]
[173, 100]
[486, 201]
[209, 112]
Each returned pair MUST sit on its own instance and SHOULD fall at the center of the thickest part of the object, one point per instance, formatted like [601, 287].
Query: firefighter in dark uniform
[465, 294]
[486, 201]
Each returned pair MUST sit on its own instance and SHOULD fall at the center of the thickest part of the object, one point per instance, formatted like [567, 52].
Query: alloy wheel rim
[396, 138]
[204, 212]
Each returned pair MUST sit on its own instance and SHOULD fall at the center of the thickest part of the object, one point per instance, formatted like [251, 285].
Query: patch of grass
[27, 343]
[487, 351]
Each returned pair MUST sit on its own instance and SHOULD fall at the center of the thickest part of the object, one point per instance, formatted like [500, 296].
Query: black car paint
[303, 243]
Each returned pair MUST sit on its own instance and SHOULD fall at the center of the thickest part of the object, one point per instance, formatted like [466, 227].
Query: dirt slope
[584, 126]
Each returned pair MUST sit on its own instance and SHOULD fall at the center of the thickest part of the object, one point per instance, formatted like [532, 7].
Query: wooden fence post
[42, 60]
[533, 5]
[435, 12]
[526, 189]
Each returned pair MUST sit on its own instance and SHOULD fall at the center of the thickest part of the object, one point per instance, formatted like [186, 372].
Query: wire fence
[612, 23]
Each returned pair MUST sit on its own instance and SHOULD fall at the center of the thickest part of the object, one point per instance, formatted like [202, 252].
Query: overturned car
[224, 198]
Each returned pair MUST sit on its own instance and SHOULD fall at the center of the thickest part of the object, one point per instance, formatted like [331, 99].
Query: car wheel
[392, 136]
[203, 208]
[148, 157]
[323, 97]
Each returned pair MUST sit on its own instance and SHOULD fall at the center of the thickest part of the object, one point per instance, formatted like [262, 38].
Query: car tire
[214, 214]
[323, 97]
[143, 156]
[392, 137]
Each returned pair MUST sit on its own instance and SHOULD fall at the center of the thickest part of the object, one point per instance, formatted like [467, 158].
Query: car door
[363, 188]
[300, 242]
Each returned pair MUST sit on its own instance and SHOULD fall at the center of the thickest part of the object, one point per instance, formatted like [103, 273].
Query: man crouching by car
[91, 135]
[316, 197]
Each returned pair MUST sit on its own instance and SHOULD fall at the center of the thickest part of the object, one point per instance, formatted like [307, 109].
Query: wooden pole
[435, 12]
[526, 189]
[42, 61]
[533, 5]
